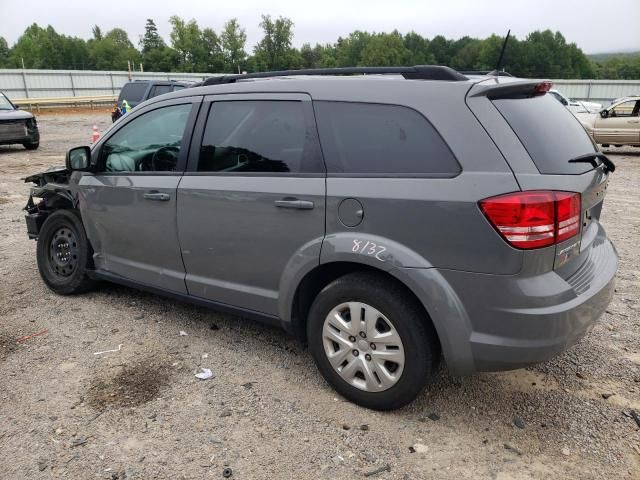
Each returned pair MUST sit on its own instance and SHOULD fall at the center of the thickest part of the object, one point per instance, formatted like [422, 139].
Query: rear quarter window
[549, 132]
[377, 139]
[133, 92]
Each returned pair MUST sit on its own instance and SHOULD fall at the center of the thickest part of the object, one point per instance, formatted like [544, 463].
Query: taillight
[542, 87]
[534, 219]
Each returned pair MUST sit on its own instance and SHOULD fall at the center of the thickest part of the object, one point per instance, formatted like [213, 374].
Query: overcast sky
[594, 25]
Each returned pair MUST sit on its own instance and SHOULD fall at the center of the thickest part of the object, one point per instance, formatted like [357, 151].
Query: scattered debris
[519, 422]
[581, 375]
[76, 442]
[346, 427]
[635, 416]
[183, 333]
[225, 413]
[565, 451]
[204, 373]
[42, 465]
[364, 427]
[227, 472]
[607, 395]
[248, 385]
[420, 448]
[386, 468]
[434, 416]
[511, 448]
[29, 337]
[110, 351]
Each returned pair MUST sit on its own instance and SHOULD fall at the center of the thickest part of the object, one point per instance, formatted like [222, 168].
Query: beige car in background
[618, 124]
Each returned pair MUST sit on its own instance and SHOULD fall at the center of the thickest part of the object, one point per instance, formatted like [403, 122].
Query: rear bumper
[498, 322]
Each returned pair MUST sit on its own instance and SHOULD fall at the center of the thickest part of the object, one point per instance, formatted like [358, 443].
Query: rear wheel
[371, 341]
[64, 254]
[31, 145]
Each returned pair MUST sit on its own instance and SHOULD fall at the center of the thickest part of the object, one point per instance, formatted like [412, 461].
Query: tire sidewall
[419, 354]
[78, 280]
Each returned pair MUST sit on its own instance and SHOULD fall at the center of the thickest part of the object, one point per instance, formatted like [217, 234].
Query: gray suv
[389, 219]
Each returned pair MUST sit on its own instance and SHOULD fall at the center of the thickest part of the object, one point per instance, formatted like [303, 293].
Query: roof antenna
[496, 72]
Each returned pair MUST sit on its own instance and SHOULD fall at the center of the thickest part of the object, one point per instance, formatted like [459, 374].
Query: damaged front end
[53, 189]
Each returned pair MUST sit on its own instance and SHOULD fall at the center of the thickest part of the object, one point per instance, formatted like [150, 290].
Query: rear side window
[133, 92]
[159, 90]
[376, 139]
[261, 136]
[549, 132]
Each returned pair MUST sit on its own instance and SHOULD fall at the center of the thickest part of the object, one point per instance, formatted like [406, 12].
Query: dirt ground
[139, 412]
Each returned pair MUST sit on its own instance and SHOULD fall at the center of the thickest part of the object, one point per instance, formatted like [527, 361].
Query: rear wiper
[592, 157]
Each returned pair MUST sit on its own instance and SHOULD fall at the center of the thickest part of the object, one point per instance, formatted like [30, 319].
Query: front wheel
[64, 254]
[371, 341]
[31, 145]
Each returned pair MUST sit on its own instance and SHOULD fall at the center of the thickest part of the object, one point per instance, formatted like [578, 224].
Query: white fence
[22, 84]
[76, 83]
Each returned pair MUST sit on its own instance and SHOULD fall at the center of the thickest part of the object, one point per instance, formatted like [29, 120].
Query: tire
[605, 145]
[396, 310]
[31, 146]
[64, 254]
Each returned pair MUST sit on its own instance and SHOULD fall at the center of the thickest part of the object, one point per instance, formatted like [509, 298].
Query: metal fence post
[73, 87]
[589, 91]
[113, 90]
[24, 80]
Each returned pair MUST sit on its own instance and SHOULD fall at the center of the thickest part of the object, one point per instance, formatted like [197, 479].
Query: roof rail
[417, 72]
[487, 72]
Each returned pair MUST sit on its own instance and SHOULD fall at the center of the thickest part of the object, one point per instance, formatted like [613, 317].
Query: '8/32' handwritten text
[368, 248]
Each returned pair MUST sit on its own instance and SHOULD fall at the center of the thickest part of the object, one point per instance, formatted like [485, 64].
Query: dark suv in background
[138, 91]
[17, 126]
[389, 219]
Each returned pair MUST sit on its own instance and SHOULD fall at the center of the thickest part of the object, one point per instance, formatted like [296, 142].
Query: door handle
[292, 202]
[157, 196]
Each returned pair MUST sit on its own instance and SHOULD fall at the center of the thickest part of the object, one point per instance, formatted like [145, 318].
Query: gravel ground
[140, 413]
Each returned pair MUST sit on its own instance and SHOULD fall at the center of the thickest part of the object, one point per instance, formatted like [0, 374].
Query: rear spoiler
[494, 88]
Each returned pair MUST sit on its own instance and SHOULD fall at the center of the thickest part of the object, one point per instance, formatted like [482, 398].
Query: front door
[129, 205]
[253, 199]
[621, 126]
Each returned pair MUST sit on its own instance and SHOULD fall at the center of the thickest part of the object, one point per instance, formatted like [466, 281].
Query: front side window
[149, 143]
[377, 139]
[260, 136]
[626, 109]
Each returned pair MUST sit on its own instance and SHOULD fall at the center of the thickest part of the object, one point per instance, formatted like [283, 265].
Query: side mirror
[78, 159]
[604, 113]
[564, 102]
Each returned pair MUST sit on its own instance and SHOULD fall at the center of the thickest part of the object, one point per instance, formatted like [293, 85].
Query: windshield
[5, 104]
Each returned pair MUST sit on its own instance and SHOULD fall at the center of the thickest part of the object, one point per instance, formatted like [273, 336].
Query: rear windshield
[549, 132]
[133, 92]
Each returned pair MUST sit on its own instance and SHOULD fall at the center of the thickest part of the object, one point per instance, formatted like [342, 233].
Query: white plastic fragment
[204, 374]
[183, 333]
[110, 351]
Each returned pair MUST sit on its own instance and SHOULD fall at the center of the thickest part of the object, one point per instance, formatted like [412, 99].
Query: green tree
[349, 50]
[418, 48]
[151, 40]
[186, 39]
[4, 53]
[274, 51]
[112, 51]
[233, 39]
[385, 50]
[214, 58]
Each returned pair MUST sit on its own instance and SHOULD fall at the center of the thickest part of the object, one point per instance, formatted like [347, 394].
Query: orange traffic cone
[95, 136]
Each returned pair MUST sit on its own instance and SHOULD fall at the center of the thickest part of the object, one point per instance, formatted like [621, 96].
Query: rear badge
[568, 252]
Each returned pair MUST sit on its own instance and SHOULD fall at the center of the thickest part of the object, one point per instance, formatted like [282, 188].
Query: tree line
[192, 48]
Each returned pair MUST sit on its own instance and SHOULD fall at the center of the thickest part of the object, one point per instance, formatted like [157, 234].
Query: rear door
[621, 126]
[253, 199]
[129, 205]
